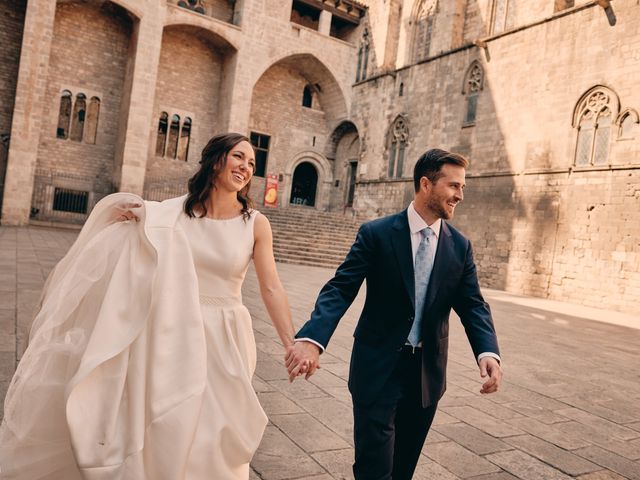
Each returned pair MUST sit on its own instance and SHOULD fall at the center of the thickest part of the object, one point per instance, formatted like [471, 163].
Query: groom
[417, 268]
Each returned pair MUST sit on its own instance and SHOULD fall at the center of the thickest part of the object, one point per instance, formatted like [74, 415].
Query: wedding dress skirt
[140, 358]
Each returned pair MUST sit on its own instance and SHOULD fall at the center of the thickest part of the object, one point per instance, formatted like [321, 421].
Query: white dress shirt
[416, 225]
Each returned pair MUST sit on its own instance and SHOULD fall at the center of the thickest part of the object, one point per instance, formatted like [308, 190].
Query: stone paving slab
[563, 460]
[569, 407]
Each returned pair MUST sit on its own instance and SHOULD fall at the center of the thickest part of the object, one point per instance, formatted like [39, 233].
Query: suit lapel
[441, 263]
[401, 239]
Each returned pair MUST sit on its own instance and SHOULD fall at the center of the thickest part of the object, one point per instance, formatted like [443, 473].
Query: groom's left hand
[490, 367]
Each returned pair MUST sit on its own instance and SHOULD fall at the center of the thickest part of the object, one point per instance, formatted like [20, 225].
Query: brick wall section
[188, 84]
[11, 25]
[100, 40]
[277, 111]
[27, 112]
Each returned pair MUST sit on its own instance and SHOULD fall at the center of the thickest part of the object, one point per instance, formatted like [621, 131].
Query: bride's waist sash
[220, 301]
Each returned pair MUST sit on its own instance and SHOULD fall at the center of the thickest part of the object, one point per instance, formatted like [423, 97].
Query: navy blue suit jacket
[382, 255]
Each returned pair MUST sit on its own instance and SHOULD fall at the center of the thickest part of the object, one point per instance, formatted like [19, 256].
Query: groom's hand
[302, 358]
[489, 367]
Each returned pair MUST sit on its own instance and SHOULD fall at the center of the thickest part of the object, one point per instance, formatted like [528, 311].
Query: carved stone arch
[627, 112]
[317, 73]
[213, 34]
[325, 176]
[628, 115]
[313, 156]
[473, 81]
[593, 100]
[132, 7]
[343, 127]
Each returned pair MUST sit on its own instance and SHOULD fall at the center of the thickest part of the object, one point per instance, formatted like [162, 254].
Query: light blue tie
[422, 272]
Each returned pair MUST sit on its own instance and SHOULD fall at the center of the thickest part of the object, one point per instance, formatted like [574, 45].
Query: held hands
[302, 358]
[490, 367]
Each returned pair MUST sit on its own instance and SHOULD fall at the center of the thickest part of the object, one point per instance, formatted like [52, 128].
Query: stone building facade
[543, 98]
[123, 95]
[340, 98]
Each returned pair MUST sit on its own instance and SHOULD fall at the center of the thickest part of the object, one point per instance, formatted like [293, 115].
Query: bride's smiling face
[239, 167]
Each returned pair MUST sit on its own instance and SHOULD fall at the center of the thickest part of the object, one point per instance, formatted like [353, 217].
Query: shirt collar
[417, 223]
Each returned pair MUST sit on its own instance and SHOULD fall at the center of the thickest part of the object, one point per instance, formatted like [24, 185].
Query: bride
[140, 358]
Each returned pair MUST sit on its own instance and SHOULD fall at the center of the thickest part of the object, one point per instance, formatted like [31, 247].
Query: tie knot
[426, 233]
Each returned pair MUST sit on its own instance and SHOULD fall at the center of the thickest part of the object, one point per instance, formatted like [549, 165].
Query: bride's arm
[271, 290]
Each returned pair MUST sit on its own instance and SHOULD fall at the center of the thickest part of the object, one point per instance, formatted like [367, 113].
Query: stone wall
[205, 66]
[88, 56]
[540, 225]
[188, 85]
[277, 111]
[11, 25]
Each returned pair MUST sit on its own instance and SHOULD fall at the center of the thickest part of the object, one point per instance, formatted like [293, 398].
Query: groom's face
[443, 196]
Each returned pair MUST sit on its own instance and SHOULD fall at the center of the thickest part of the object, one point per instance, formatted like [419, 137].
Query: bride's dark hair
[214, 158]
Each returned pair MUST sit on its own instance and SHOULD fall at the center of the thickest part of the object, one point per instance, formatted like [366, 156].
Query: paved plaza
[569, 406]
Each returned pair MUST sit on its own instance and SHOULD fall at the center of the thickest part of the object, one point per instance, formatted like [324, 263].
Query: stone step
[308, 237]
[311, 236]
[310, 261]
[311, 249]
[309, 256]
[315, 226]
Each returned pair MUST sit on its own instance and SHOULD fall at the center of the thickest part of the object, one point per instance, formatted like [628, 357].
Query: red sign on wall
[271, 191]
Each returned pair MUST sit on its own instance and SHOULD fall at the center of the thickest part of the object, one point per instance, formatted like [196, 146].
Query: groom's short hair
[430, 163]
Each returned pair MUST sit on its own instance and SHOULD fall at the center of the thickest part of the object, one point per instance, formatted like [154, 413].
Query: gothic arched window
[473, 85]
[593, 117]
[174, 130]
[64, 114]
[93, 112]
[398, 139]
[161, 138]
[185, 139]
[628, 125]
[78, 117]
[363, 57]
[423, 20]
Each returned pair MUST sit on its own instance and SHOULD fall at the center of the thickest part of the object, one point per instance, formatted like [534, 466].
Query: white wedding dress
[140, 358]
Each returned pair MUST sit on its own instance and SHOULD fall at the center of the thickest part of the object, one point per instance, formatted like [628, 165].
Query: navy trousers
[390, 432]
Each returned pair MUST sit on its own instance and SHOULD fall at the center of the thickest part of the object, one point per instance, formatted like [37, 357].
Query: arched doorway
[344, 149]
[304, 185]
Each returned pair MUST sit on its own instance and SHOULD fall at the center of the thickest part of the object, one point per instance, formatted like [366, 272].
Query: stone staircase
[305, 236]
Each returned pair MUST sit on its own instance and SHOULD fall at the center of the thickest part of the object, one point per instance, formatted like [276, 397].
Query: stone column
[137, 112]
[28, 111]
[324, 25]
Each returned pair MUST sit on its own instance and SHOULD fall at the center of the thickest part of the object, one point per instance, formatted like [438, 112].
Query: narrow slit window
[174, 130]
[78, 117]
[93, 113]
[64, 115]
[185, 138]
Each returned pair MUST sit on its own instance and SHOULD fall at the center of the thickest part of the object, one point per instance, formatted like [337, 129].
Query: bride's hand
[127, 214]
